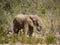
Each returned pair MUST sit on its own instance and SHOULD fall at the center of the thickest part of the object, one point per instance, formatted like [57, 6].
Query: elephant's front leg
[26, 28]
[30, 30]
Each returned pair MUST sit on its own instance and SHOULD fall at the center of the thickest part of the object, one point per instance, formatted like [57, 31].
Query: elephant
[23, 22]
[36, 21]
[27, 23]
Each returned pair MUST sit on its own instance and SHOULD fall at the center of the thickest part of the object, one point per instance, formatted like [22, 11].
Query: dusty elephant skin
[26, 22]
[23, 22]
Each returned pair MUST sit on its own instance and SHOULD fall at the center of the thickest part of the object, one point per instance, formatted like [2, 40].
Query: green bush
[30, 40]
[24, 39]
[3, 34]
[50, 39]
[34, 40]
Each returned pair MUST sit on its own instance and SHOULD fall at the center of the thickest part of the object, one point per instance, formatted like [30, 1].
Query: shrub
[3, 34]
[50, 39]
[34, 40]
[24, 39]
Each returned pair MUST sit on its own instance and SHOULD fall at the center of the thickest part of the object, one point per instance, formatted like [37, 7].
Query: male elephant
[23, 22]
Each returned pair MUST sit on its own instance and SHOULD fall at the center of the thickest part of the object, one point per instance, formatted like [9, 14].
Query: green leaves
[50, 39]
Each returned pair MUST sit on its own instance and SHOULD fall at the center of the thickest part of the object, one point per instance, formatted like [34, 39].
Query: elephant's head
[38, 26]
[36, 21]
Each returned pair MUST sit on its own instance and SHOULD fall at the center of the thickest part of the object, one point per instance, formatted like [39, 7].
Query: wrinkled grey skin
[23, 22]
[36, 21]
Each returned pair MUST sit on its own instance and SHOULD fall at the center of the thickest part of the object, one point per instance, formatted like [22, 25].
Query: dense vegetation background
[48, 10]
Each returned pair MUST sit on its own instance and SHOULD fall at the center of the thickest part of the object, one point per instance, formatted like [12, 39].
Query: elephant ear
[29, 21]
[34, 19]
